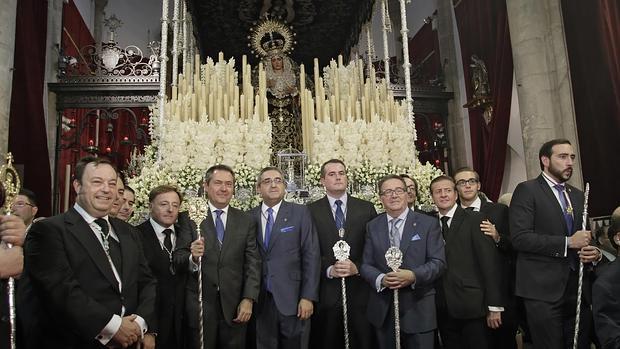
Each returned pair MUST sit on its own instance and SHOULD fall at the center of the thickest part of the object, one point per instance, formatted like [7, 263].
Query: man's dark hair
[331, 161]
[547, 149]
[32, 197]
[162, 189]
[80, 167]
[466, 169]
[441, 178]
[613, 229]
[128, 188]
[268, 168]
[212, 169]
[415, 183]
[388, 177]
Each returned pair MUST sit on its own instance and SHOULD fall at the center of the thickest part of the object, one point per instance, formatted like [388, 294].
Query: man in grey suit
[230, 266]
[419, 239]
[290, 254]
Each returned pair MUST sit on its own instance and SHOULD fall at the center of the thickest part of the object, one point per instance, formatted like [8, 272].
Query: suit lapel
[257, 214]
[207, 231]
[126, 252]
[384, 233]
[455, 225]
[551, 196]
[408, 231]
[330, 223]
[281, 221]
[77, 226]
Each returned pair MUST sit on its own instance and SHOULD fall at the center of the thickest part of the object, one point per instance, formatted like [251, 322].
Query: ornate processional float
[217, 113]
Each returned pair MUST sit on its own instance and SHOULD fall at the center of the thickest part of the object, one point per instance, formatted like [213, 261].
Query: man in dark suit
[159, 237]
[495, 225]
[606, 302]
[88, 271]
[470, 297]
[230, 266]
[545, 214]
[290, 277]
[331, 213]
[418, 238]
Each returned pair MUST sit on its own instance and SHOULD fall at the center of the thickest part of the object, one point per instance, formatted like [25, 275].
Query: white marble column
[7, 48]
[458, 117]
[542, 78]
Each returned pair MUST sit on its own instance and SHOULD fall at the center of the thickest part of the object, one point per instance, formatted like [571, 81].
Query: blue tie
[268, 227]
[339, 215]
[566, 211]
[219, 226]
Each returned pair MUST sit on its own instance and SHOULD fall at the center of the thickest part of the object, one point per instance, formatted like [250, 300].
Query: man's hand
[589, 254]
[304, 309]
[12, 230]
[197, 248]
[128, 333]
[580, 239]
[398, 279]
[488, 228]
[148, 342]
[244, 311]
[494, 319]
[343, 269]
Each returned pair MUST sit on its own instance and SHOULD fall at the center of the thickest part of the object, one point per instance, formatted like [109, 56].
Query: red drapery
[592, 31]
[483, 31]
[27, 129]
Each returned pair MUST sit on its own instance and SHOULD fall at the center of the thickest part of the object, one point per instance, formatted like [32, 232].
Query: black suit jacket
[470, 284]
[497, 214]
[71, 276]
[170, 287]
[359, 212]
[538, 233]
[230, 273]
[606, 306]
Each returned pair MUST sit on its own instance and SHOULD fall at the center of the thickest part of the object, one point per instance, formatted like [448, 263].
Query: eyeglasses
[411, 188]
[21, 204]
[269, 181]
[463, 182]
[390, 192]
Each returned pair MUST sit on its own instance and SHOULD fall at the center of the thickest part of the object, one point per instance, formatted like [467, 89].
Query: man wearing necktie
[230, 266]
[159, 236]
[339, 210]
[290, 277]
[87, 270]
[419, 239]
[469, 299]
[545, 215]
[495, 225]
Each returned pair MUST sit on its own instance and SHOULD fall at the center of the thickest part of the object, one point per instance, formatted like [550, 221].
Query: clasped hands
[127, 334]
[581, 241]
[398, 279]
[343, 269]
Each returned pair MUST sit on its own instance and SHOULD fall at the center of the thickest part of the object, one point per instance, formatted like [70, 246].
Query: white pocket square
[416, 237]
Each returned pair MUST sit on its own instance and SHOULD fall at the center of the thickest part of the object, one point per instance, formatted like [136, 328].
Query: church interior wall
[7, 47]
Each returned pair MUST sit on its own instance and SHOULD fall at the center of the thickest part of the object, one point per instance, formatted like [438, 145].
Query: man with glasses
[339, 210]
[412, 190]
[423, 261]
[495, 225]
[290, 278]
[469, 299]
[25, 206]
[230, 266]
[159, 236]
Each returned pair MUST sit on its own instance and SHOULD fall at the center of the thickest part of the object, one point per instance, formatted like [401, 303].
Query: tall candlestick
[67, 186]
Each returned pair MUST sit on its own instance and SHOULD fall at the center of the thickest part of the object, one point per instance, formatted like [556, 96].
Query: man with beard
[545, 214]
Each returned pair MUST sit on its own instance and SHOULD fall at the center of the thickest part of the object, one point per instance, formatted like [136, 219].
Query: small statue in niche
[479, 77]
